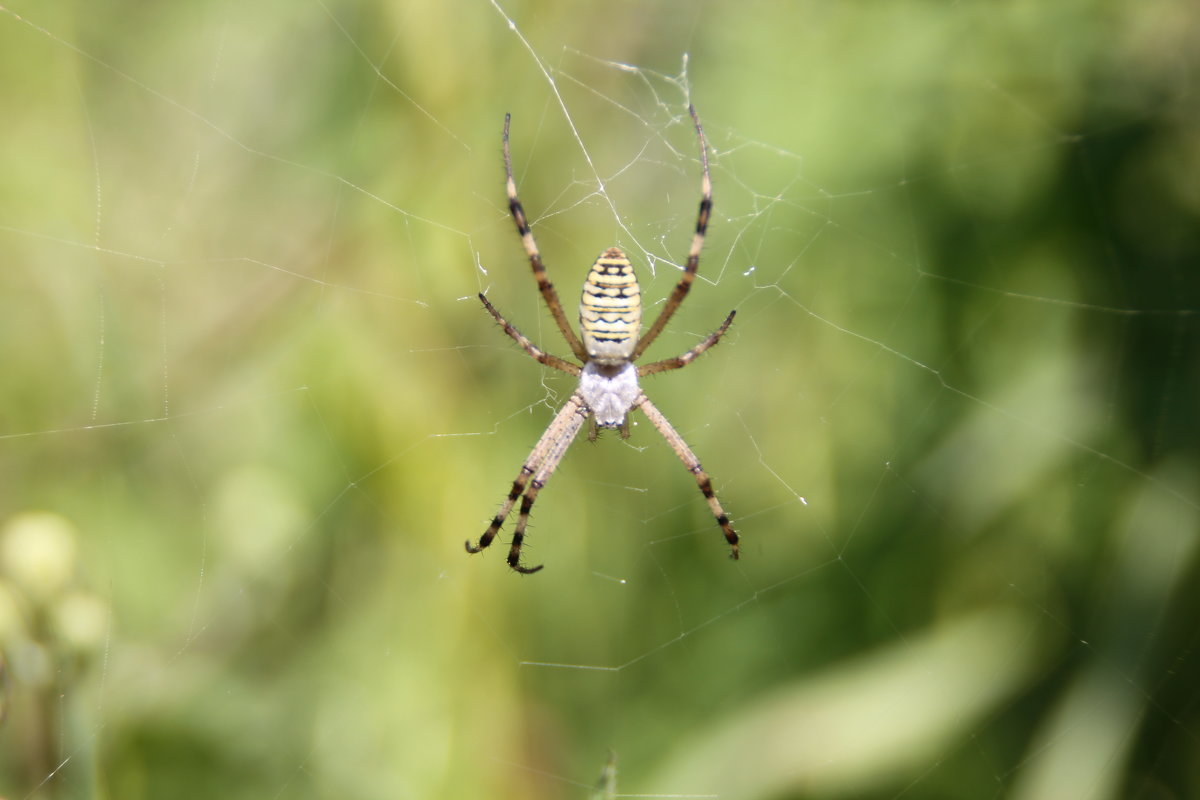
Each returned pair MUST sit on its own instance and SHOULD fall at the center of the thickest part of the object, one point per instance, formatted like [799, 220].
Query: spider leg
[566, 422]
[568, 429]
[693, 464]
[529, 347]
[535, 258]
[690, 355]
[693, 258]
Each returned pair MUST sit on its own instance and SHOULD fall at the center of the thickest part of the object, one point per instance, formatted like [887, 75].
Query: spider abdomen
[610, 310]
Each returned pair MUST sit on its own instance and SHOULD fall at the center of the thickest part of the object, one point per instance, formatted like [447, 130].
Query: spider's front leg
[692, 463]
[534, 473]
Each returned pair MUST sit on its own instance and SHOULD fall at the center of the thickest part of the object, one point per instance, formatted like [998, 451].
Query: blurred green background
[251, 408]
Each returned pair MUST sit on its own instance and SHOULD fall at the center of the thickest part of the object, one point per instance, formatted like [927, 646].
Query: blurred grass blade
[1083, 749]
[606, 784]
[862, 722]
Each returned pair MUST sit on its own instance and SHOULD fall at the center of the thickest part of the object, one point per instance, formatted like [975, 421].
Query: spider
[610, 315]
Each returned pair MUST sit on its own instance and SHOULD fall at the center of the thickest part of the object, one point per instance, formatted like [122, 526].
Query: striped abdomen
[610, 311]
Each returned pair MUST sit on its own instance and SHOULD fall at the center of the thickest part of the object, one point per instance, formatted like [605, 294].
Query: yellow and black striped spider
[610, 316]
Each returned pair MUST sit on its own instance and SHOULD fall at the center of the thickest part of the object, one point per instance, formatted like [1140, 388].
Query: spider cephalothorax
[610, 318]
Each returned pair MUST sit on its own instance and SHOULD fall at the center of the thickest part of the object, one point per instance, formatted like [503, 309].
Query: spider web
[252, 407]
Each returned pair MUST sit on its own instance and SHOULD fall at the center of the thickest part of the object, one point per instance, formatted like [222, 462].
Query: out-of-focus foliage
[251, 408]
